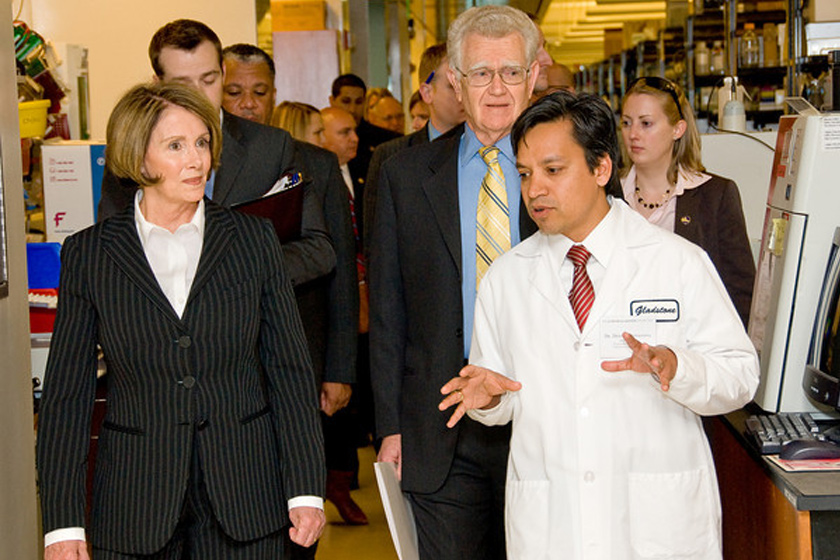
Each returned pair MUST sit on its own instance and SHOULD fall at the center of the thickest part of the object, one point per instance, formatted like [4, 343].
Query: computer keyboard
[769, 431]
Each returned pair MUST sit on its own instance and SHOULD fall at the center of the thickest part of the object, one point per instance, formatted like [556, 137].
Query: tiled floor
[368, 542]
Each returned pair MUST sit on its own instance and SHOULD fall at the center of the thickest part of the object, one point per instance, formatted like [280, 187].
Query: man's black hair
[347, 80]
[249, 54]
[593, 128]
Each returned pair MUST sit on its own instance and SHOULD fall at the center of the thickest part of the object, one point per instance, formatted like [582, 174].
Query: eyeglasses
[510, 75]
[661, 84]
[430, 78]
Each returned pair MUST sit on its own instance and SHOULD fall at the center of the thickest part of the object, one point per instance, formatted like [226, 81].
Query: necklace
[653, 205]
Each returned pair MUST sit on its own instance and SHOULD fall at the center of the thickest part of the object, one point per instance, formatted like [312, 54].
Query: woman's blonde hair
[294, 117]
[134, 118]
[686, 150]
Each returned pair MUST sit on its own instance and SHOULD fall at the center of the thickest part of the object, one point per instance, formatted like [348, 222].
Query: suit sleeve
[311, 256]
[387, 312]
[67, 401]
[343, 294]
[736, 266]
[289, 375]
[380, 154]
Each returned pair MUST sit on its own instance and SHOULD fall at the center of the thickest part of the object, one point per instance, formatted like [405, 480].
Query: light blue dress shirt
[471, 170]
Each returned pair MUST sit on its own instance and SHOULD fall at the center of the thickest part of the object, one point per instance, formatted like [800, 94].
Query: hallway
[367, 542]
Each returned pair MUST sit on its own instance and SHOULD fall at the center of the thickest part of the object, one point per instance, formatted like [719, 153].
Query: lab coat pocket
[673, 515]
[526, 513]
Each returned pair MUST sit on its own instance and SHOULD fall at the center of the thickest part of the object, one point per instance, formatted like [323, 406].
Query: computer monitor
[821, 381]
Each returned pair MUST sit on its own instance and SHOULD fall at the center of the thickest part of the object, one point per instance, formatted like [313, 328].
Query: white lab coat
[607, 465]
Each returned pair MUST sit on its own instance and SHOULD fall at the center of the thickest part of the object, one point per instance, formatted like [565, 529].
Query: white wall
[117, 33]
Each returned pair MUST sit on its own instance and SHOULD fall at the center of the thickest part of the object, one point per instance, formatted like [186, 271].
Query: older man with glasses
[445, 210]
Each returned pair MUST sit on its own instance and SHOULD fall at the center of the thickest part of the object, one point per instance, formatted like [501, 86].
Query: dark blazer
[230, 380]
[711, 216]
[380, 155]
[329, 306]
[253, 157]
[416, 307]
[370, 136]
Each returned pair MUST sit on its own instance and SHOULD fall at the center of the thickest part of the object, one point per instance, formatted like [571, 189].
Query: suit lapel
[441, 190]
[232, 159]
[219, 233]
[122, 244]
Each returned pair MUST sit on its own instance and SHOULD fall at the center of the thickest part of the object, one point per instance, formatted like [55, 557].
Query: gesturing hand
[475, 387]
[657, 360]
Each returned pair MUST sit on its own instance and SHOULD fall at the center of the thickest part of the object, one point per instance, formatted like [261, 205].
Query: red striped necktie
[582, 295]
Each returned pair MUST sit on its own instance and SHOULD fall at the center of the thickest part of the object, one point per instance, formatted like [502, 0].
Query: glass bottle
[717, 63]
[701, 59]
[750, 47]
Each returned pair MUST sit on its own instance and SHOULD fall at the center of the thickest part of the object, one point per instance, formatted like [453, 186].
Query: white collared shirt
[173, 256]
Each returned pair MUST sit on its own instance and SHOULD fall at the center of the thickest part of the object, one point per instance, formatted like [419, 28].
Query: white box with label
[72, 172]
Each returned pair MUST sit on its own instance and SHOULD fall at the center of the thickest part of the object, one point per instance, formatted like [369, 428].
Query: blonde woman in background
[301, 120]
[663, 178]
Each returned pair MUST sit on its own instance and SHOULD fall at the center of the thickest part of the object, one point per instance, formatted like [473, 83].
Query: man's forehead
[351, 91]
[236, 68]
[174, 61]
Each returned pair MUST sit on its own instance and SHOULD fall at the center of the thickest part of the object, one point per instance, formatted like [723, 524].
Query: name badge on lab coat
[613, 346]
[661, 310]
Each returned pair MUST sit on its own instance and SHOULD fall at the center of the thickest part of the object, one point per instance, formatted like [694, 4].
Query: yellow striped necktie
[492, 234]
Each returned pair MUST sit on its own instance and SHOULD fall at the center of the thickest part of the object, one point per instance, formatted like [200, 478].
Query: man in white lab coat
[608, 456]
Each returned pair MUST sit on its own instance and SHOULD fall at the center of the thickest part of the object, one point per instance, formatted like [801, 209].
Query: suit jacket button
[184, 341]
[459, 333]
[201, 425]
[188, 382]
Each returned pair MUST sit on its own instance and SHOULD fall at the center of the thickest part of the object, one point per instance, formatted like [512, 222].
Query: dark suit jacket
[416, 329]
[711, 216]
[253, 158]
[370, 136]
[380, 155]
[230, 380]
[329, 306]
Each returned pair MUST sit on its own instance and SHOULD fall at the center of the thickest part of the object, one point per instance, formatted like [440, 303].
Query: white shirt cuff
[307, 501]
[61, 535]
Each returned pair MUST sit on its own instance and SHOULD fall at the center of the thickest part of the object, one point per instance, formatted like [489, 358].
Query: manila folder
[397, 511]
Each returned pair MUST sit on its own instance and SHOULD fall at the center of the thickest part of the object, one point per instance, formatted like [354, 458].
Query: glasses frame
[663, 85]
[527, 72]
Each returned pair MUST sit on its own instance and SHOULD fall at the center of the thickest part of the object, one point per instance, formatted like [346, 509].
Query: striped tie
[582, 295]
[492, 234]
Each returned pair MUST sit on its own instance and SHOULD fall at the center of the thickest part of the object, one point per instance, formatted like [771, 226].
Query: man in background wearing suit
[444, 210]
[253, 158]
[328, 306]
[445, 113]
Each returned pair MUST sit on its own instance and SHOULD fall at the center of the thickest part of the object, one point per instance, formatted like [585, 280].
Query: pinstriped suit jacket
[231, 380]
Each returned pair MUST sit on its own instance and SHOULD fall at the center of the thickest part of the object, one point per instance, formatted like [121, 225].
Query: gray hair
[492, 21]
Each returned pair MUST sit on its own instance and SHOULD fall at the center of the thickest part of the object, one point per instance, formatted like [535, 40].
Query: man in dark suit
[254, 156]
[348, 93]
[329, 306]
[424, 269]
[445, 113]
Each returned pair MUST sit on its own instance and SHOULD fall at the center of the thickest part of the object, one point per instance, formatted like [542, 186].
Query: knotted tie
[582, 295]
[492, 235]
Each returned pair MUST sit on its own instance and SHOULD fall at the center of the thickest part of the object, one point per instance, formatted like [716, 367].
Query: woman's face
[647, 134]
[314, 133]
[178, 153]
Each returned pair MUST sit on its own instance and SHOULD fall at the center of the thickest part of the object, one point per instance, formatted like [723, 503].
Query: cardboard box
[298, 15]
[72, 172]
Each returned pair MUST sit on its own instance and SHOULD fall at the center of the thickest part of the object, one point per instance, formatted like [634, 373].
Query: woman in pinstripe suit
[211, 442]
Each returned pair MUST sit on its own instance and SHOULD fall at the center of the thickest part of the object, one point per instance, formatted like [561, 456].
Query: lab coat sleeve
[486, 351]
[717, 368]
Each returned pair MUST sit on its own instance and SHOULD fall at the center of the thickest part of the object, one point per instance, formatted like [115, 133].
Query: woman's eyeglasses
[662, 85]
